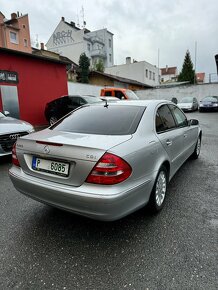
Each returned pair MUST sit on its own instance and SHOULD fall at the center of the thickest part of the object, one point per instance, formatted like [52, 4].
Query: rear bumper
[88, 200]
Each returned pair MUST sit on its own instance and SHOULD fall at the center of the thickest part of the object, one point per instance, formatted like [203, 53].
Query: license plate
[50, 166]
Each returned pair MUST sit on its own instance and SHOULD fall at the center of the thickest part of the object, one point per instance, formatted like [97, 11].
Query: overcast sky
[140, 27]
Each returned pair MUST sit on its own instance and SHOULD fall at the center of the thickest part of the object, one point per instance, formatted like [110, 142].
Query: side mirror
[193, 122]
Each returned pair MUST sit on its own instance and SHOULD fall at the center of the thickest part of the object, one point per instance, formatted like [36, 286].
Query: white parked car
[188, 104]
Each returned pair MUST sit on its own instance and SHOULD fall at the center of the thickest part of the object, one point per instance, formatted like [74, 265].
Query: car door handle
[169, 143]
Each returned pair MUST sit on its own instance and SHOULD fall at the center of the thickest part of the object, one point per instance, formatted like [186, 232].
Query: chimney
[72, 23]
[166, 68]
[62, 18]
[128, 60]
[13, 16]
[42, 46]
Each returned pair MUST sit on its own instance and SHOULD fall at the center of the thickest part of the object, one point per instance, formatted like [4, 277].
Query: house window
[146, 73]
[109, 41]
[110, 57]
[25, 42]
[153, 76]
[88, 46]
[149, 75]
[13, 37]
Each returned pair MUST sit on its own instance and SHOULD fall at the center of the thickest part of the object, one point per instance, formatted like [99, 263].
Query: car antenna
[106, 104]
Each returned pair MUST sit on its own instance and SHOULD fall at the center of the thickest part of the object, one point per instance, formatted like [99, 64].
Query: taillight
[110, 169]
[15, 161]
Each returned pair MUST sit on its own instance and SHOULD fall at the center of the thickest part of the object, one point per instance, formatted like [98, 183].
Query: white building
[169, 74]
[71, 41]
[141, 71]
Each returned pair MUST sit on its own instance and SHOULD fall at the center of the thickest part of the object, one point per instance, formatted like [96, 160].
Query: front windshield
[187, 100]
[210, 99]
[131, 95]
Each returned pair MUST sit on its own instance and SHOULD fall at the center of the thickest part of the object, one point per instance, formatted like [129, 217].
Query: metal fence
[211, 78]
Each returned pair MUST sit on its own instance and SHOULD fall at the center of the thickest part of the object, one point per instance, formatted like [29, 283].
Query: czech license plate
[50, 166]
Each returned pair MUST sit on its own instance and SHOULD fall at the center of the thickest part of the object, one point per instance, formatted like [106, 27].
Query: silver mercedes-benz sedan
[107, 160]
[10, 130]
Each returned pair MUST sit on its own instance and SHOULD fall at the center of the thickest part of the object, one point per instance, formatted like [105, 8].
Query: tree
[83, 70]
[188, 72]
[99, 65]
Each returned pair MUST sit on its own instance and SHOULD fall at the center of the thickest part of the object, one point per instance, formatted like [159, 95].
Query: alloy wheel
[161, 186]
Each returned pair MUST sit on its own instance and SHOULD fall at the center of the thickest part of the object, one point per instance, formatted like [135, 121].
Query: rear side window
[108, 93]
[101, 120]
[164, 119]
[181, 119]
[119, 95]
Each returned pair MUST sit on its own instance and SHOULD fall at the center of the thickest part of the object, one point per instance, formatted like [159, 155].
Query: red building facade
[28, 82]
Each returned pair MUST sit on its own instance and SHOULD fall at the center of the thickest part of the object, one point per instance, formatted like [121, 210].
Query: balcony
[98, 53]
[97, 39]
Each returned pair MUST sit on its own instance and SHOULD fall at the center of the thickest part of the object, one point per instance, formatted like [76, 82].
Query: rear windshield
[92, 99]
[131, 95]
[101, 120]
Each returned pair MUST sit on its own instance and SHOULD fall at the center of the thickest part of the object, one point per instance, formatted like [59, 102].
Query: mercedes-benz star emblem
[46, 149]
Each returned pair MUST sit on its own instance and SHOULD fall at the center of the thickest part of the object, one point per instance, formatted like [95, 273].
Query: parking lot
[45, 248]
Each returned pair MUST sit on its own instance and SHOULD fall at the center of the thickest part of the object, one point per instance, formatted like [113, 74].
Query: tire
[159, 191]
[52, 120]
[197, 150]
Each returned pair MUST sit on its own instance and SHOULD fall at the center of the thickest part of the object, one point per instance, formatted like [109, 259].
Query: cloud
[140, 27]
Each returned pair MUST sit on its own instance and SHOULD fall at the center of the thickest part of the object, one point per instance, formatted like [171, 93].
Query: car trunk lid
[77, 153]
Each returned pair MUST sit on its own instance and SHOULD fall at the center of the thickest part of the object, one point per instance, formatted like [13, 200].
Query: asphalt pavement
[45, 248]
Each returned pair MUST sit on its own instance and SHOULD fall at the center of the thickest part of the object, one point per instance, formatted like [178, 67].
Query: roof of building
[16, 17]
[61, 59]
[168, 70]
[73, 25]
[121, 79]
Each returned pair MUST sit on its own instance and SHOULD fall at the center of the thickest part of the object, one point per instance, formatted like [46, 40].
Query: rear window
[90, 99]
[131, 95]
[101, 120]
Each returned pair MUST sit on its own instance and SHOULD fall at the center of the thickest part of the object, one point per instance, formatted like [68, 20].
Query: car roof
[143, 103]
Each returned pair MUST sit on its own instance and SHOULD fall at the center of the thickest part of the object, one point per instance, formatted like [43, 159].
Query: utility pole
[195, 61]
[158, 59]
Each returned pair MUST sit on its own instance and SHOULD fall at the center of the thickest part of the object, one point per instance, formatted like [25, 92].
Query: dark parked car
[209, 104]
[174, 100]
[59, 107]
